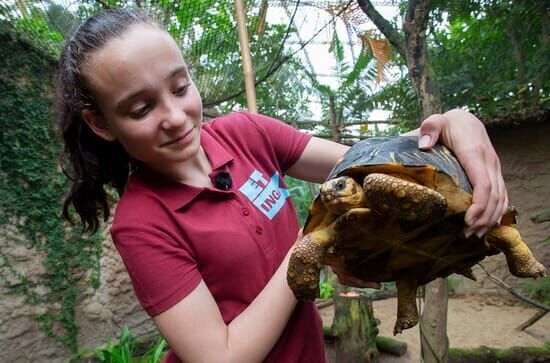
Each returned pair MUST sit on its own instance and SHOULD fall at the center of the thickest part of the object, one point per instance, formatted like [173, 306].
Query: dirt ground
[473, 320]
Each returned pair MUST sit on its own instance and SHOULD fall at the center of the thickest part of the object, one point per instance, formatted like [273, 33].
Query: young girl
[204, 223]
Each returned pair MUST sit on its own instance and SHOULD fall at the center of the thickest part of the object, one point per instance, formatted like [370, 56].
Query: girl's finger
[430, 129]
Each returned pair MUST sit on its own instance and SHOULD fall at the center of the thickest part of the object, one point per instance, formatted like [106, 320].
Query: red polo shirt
[171, 235]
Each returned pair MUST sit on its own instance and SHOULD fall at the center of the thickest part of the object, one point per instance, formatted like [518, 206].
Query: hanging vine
[31, 190]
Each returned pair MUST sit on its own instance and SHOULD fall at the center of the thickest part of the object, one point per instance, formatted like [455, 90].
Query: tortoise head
[342, 194]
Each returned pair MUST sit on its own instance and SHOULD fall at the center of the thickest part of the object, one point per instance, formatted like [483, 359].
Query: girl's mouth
[181, 140]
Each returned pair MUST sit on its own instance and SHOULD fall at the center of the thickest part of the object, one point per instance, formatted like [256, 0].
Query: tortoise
[391, 212]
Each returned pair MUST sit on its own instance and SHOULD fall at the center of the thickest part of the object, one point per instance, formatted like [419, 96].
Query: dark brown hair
[90, 162]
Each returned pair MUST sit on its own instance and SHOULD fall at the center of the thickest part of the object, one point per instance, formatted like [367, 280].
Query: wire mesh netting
[279, 32]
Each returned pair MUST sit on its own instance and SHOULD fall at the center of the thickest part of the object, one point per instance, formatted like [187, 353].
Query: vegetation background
[489, 56]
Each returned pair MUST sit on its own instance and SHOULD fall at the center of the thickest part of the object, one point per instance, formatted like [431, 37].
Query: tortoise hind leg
[407, 313]
[404, 199]
[518, 256]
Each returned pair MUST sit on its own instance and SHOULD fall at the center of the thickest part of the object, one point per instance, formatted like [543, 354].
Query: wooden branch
[353, 123]
[486, 354]
[391, 346]
[324, 303]
[504, 286]
[384, 26]
[538, 315]
[541, 217]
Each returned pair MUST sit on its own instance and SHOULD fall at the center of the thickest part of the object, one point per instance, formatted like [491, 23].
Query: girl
[204, 223]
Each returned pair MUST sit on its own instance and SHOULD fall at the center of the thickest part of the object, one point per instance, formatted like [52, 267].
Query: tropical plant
[127, 349]
[350, 102]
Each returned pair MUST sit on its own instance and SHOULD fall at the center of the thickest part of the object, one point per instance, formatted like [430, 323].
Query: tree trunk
[420, 70]
[355, 327]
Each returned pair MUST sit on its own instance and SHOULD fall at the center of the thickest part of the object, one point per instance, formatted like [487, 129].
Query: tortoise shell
[394, 249]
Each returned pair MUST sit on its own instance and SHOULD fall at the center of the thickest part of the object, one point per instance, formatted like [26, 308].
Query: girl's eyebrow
[175, 72]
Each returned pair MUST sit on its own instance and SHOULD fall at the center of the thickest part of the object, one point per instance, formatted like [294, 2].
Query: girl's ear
[98, 125]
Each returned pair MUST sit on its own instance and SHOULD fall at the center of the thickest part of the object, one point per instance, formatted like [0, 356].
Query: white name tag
[267, 196]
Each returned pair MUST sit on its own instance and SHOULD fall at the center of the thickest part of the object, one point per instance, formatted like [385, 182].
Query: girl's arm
[195, 330]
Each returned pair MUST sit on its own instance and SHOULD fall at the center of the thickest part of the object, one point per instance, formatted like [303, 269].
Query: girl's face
[146, 98]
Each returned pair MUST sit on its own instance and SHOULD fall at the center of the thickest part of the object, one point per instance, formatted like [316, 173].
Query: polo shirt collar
[177, 195]
[216, 153]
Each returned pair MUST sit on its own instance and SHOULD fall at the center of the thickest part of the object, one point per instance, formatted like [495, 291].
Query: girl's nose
[174, 116]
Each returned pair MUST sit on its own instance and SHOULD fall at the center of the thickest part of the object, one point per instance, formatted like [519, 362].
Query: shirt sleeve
[161, 271]
[288, 142]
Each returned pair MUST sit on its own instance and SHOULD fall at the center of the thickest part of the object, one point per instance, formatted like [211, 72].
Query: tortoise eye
[341, 184]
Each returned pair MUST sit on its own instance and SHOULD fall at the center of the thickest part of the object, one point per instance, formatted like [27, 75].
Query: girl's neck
[194, 172]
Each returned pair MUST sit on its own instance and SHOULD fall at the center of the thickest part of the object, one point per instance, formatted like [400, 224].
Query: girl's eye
[180, 91]
[140, 112]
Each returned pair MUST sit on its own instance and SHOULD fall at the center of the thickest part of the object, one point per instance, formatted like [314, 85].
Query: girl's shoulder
[236, 122]
[251, 127]
[142, 203]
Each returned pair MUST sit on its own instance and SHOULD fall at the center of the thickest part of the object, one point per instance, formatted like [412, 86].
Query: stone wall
[112, 306]
[101, 316]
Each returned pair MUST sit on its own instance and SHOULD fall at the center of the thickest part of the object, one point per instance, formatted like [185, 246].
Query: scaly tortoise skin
[391, 212]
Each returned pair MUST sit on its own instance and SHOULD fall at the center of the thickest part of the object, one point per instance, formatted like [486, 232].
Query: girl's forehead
[144, 53]
[141, 41]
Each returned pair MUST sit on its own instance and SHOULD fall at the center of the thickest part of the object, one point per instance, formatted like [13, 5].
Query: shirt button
[258, 230]
[246, 212]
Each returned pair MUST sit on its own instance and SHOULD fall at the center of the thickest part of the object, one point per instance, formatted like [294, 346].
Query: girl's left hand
[466, 136]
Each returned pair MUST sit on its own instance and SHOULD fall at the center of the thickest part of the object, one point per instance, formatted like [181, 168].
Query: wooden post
[248, 71]
[335, 122]
[356, 328]
[433, 323]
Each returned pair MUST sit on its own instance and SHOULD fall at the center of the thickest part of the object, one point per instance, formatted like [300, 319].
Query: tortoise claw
[467, 272]
[402, 324]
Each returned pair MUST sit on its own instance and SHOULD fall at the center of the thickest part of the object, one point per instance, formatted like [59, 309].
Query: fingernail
[468, 233]
[424, 141]
[481, 233]
[499, 220]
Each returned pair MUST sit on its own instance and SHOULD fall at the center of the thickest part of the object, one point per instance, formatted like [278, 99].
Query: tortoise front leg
[312, 250]
[305, 261]
[407, 313]
[521, 262]
[403, 199]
